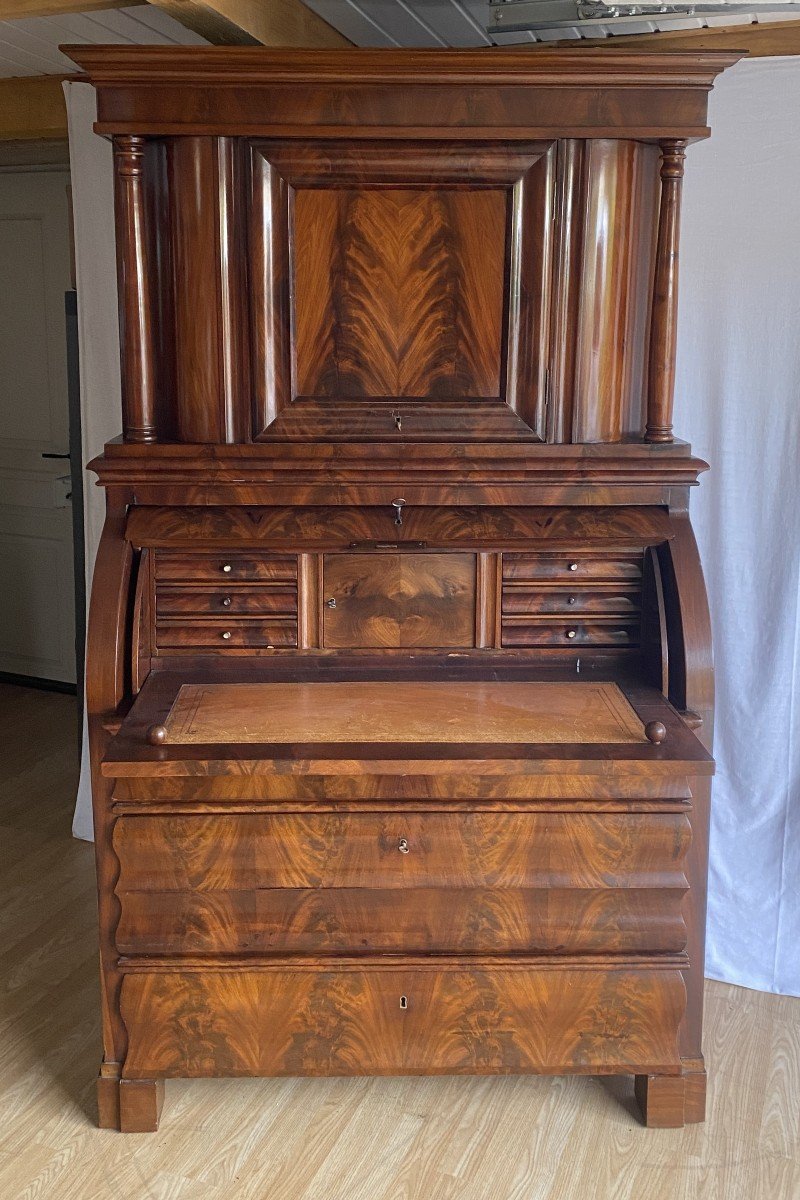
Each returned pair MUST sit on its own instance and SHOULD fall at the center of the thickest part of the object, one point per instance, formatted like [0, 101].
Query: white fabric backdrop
[92, 172]
[737, 402]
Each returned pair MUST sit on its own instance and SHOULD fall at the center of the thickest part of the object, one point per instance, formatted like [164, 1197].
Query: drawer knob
[332, 602]
[655, 732]
[403, 846]
[404, 1002]
[573, 567]
[157, 735]
[571, 633]
[226, 635]
[226, 601]
[227, 568]
[571, 600]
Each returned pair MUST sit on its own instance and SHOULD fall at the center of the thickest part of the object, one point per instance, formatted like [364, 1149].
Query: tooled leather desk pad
[401, 711]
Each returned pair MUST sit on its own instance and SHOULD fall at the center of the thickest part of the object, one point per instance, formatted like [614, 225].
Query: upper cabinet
[323, 247]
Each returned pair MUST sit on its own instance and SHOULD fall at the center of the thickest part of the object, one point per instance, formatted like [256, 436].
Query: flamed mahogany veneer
[399, 680]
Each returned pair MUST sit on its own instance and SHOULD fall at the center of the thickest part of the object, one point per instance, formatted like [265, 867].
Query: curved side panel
[691, 690]
[107, 668]
[691, 663]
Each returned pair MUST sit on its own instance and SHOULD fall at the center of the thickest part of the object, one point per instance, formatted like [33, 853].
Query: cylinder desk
[399, 663]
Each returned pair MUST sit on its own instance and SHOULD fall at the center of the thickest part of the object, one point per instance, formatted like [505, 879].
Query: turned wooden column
[664, 319]
[134, 280]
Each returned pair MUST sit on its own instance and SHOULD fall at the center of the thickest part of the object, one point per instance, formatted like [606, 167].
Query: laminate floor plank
[330, 1139]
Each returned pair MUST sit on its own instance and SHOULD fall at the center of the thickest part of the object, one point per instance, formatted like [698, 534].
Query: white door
[37, 598]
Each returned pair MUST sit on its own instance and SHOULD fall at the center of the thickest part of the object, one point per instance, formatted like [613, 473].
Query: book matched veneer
[399, 680]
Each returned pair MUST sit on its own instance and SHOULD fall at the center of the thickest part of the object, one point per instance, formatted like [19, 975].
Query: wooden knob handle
[157, 735]
[655, 732]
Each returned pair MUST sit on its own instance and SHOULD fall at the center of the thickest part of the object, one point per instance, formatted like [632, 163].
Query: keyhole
[403, 846]
[398, 420]
[404, 1002]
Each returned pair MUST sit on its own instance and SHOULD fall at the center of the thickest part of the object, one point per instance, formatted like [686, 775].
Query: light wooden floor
[350, 1139]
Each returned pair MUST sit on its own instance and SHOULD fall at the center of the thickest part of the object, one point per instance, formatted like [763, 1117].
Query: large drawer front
[438, 1019]
[425, 920]
[382, 883]
[401, 850]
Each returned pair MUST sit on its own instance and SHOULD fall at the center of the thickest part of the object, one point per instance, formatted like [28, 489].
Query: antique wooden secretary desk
[399, 667]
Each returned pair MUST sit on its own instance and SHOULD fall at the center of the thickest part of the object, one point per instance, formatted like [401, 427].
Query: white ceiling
[463, 23]
[30, 47]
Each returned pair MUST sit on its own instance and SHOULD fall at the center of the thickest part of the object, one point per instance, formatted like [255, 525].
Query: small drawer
[251, 601]
[568, 566]
[526, 601]
[217, 567]
[171, 635]
[522, 632]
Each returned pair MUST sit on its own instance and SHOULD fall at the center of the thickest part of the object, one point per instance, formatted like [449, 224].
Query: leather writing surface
[401, 711]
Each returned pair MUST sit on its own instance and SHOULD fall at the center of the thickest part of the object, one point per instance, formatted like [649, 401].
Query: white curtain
[92, 174]
[737, 402]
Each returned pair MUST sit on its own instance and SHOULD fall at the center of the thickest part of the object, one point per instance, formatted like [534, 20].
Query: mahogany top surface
[430, 712]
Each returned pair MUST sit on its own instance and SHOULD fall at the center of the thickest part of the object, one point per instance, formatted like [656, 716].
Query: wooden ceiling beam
[253, 22]
[760, 40]
[32, 108]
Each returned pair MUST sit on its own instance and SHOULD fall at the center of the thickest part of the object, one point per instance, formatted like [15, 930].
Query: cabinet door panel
[399, 600]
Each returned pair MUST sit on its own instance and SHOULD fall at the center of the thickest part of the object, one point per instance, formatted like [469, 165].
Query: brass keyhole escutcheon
[226, 601]
[403, 846]
[404, 1002]
[226, 636]
[570, 600]
[332, 602]
[398, 420]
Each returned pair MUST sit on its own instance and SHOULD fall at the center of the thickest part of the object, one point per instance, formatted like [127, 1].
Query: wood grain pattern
[134, 282]
[485, 1020]
[664, 322]
[582, 532]
[614, 291]
[398, 600]
[458, 1139]
[398, 293]
[492, 850]
[503, 713]
[513, 95]
[422, 920]
[355, 279]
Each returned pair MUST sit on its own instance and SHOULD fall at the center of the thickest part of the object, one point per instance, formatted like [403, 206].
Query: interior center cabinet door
[398, 600]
